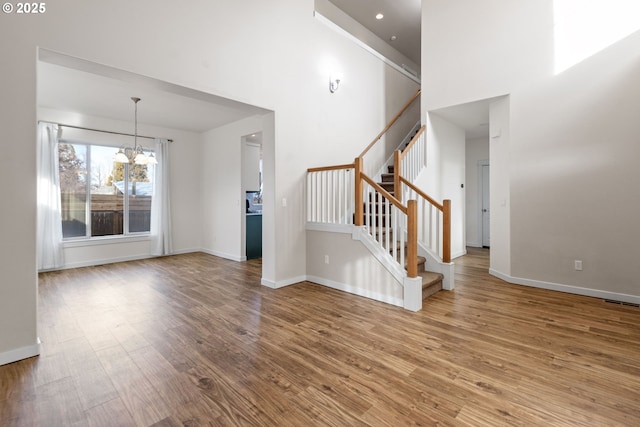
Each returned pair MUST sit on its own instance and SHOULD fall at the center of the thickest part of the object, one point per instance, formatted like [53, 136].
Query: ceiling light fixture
[135, 154]
[394, 38]
[379, 16]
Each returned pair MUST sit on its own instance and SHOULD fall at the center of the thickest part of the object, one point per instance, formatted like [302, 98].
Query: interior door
[485, 206]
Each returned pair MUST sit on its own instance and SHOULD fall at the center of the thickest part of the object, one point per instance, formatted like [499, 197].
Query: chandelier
[135, 154]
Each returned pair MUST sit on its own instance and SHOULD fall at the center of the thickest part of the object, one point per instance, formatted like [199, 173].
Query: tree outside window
[100, 197]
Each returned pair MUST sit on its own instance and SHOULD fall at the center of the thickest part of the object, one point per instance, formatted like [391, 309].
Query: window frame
[88, 239]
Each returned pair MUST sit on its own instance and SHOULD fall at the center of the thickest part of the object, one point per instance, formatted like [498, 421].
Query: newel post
[446, 231]
[397, 191]
[412, 238]
[359, 213]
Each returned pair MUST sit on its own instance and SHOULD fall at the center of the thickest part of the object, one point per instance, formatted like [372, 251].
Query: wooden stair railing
[329, 192]
[410, 210]
[445, 208]
[388, 126]
[399, 157]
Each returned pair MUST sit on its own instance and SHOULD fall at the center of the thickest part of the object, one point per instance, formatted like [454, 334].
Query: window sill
[105, 240]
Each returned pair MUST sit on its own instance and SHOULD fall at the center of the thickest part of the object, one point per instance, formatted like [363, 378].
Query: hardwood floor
[196, 340]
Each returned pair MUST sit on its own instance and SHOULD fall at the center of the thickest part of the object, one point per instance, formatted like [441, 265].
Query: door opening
[485, 205]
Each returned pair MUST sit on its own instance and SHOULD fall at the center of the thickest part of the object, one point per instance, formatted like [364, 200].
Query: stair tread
[430, 278]
[421, 261]
[431, 283]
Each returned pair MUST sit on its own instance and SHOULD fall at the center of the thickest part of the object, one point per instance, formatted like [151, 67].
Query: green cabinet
[254, 236]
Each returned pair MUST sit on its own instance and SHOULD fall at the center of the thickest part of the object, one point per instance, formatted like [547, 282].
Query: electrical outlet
[326, 259]
[577, 264]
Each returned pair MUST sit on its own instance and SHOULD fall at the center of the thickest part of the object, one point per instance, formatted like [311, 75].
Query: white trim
[356, 291]
[224, 255]
[412, 293]
[333, 228]
[20, 353]
[459, 254]
[577, 290]
[105, 240]
[282, 283]
[383, 257]
[185, 251]
[480, 195]
[403, 69]
[434, 263]
[95, 262]
[449, 272]
[474, 245]
[360, 233]
[389, 162]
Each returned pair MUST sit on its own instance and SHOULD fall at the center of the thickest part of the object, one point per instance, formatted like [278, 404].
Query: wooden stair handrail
[412, 238]
[385, 193]
[422, 194]
[411, 143]
[397, 116]
[445, 208]
[411, 210]
[331, 168]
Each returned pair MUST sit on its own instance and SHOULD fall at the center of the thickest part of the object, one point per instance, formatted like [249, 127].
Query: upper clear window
[100, 197]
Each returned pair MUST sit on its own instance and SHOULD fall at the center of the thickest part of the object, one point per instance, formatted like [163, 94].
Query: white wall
[18, 291]
[222, 191]
[569, 161]
[184, 187]
[251, 166]
[445, 173]
[500, 186]
[351, 267]
[477, 149]
[274, 54]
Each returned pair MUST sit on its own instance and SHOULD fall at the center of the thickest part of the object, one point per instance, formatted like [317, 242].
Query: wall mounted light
[334, 82]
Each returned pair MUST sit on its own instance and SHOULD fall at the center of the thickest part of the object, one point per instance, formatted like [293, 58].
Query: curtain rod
[100, 130]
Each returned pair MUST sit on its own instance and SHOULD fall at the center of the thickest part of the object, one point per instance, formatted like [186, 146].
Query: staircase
[405, 236]
[431, 282]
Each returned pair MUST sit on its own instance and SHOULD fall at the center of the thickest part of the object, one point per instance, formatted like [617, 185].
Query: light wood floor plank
[196, 340]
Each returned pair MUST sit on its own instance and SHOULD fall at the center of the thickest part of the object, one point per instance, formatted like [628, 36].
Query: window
[100, 197]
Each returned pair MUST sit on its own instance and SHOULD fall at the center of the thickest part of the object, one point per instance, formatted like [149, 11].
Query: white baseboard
[357, 291]
[282, 283]
[577, 290]
[474, 245]
[184, 251]
[95, 262]
[458, 254]
[224, 255]
[335, 285]
[20, 353]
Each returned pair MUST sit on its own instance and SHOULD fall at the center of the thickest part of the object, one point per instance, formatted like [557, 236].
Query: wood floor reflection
[196, 340]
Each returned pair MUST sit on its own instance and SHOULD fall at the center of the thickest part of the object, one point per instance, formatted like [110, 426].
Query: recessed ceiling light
[394, 38]
[379, 16]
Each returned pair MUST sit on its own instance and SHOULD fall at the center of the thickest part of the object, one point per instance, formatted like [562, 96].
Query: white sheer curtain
[160, 202]
[49, 227]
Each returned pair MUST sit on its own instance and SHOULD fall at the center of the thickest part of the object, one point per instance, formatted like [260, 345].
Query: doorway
[485, 204]
[252, 194]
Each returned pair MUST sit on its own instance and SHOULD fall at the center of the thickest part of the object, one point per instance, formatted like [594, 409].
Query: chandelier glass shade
[136, 153]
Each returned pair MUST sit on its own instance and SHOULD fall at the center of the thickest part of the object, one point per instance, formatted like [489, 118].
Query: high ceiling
[74, 85]
[402, 19]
